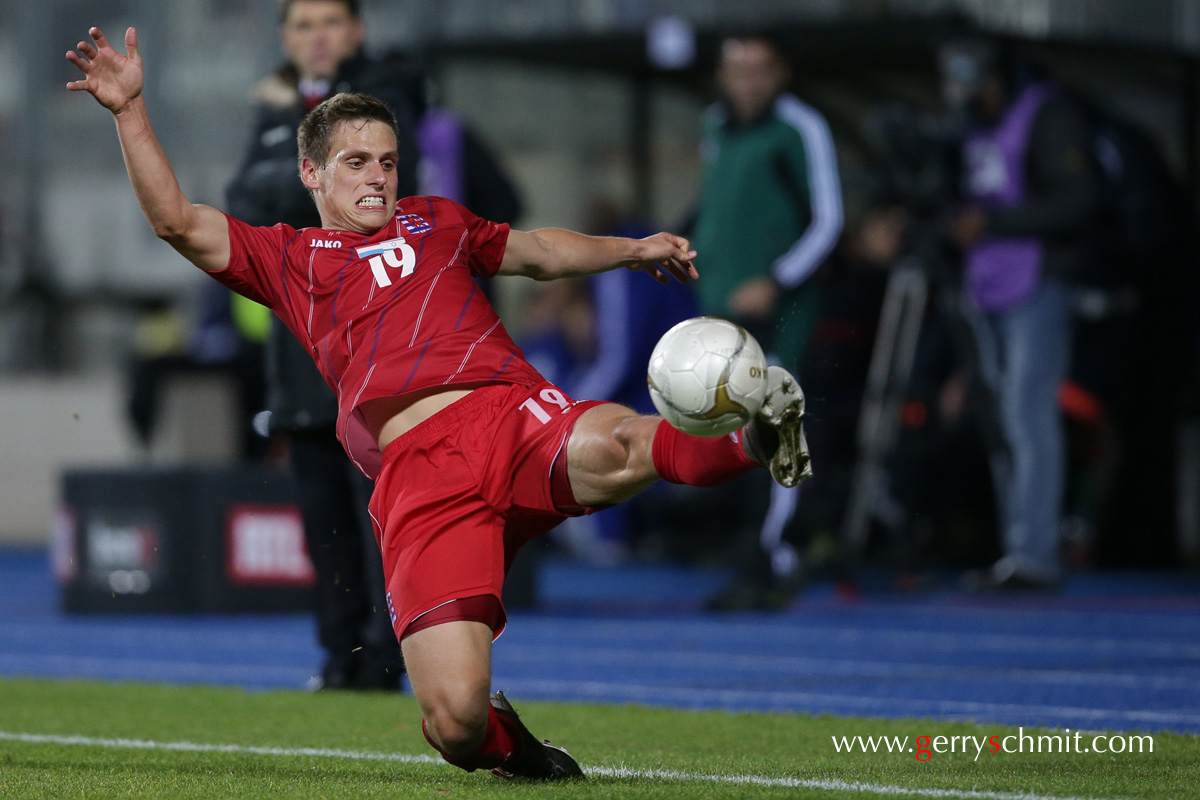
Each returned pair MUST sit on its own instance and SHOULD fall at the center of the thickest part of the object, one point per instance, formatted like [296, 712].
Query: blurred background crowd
[967, 226]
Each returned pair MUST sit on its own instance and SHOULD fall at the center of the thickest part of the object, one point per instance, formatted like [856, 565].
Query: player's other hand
[115, 80]
[754, 299]
[666, 256]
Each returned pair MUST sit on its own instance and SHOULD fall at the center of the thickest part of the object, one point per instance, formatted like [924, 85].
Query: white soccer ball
[707, 376]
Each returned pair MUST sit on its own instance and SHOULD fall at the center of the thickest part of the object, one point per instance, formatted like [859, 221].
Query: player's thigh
[610, 454]
[450, 668]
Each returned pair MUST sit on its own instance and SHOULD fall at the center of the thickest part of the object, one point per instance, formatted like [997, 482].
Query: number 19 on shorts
[551, 397]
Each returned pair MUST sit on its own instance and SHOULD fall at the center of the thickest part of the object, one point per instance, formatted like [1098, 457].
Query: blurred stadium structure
[570, 94]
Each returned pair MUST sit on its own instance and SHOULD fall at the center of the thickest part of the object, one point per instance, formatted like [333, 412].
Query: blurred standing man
[770, 213]
[323, 41]
[1034, 195]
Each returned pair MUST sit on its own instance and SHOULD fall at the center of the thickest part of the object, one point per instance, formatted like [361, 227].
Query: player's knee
[633, 439]
[610, 454]
[628, 456]
[458, 725]
[614, 448]
[600, 445]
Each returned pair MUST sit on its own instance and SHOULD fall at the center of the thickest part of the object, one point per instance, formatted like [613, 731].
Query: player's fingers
[78, 61]
[131, 46]
[663, 272]
[677, 246]
[86, 49]
[677, 270]
[652, 269]
[98, 37]
[670, 267]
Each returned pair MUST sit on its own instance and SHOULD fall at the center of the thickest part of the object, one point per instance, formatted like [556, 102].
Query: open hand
[667, 256]
[113, 79]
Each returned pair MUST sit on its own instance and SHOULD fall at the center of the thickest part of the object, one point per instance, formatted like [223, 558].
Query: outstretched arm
[199, 233]
[552, 253]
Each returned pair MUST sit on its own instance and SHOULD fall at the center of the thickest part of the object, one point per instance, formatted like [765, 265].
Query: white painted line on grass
[608, 772]
[194, 747]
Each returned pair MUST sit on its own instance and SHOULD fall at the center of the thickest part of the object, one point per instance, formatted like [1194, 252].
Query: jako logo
[324, 243]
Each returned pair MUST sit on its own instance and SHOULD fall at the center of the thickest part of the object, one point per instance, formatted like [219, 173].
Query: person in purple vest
[1033, 197]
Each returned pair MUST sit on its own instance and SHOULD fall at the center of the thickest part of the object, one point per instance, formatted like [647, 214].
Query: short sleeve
[257, 259]
[486, 242]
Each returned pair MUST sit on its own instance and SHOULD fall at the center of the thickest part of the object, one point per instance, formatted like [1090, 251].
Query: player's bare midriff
[388, 418]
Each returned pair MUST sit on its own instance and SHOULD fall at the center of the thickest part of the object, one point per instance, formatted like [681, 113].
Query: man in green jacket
[770, 213]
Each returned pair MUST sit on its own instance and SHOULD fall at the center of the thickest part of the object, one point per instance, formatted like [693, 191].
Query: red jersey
[386, 314]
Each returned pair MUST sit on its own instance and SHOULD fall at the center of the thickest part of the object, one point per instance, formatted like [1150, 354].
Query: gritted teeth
[370, 202]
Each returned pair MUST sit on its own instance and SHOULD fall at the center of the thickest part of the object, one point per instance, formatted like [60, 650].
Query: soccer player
[472, 453]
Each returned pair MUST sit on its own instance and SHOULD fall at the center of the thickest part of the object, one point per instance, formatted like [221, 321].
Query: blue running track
[1118, 651]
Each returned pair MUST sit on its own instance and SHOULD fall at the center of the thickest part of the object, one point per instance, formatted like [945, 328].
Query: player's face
[318, 35]
[356, 188]
[752, 75]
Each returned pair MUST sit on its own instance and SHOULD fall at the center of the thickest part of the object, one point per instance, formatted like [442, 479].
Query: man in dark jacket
[323, 42]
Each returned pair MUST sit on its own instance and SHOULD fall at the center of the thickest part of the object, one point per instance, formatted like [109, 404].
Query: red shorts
[460, 493]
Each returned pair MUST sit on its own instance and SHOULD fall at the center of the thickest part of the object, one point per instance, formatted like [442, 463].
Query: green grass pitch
[100, 740]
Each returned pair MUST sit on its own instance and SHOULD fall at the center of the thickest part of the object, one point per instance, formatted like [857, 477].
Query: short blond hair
[315, 135]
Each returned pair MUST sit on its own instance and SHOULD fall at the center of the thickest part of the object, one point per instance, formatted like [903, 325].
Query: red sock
[698, 461]
[499, 744]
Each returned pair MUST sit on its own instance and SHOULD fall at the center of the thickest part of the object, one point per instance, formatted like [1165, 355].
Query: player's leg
[613, 453]
[449, 666]
[610, 455]
[439, 506]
